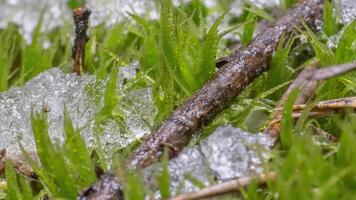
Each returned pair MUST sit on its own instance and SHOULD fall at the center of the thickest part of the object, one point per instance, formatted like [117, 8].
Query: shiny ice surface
[348, 10]
[82, 96]
[232, 152]
[227, 153]
[26, 13]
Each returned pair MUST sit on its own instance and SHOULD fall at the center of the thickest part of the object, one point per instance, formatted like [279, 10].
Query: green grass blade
[77, 154]
[13, 192]
[249, 28]
[251, 8]
[324, 55]
[75, 3]
[133, 186]
[279, 72]
[346, 49]
[330, 25]
[52, 160]
[287, 120]
[164, 179]
[208, 53]
[287, 3]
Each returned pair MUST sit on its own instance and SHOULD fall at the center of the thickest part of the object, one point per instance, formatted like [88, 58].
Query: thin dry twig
[81, 20]
[2, 161]
[333, 71]
[334, 104]
[19, 164]
[324, 134]
[321, 109]
[227, 187]
[307, 85]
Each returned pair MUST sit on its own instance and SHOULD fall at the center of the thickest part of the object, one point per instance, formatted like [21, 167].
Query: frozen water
[232, 152]
[348, 14]
[26, 13]
[83, 98]
[190, 163]
[333, 40]
[348, 10]
[110, 11]
[227, 153]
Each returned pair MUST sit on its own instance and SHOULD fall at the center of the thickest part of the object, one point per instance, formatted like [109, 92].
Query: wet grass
[177, 55]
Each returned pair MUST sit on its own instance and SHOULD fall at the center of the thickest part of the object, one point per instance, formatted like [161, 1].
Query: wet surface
[227, 153]
[82, 96]
[347, 10]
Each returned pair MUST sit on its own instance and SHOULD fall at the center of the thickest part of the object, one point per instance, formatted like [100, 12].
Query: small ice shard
[226, 154]
[82, 96]
[347, 10]
[232, 152]
[190, 164]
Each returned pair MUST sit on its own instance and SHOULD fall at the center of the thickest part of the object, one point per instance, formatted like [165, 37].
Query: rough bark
[81, 20]
[307, 88]
[2, 161]
[216, 94]
[107, 188]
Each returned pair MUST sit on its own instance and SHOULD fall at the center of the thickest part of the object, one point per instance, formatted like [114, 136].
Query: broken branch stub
[81, 19]
[243, 67]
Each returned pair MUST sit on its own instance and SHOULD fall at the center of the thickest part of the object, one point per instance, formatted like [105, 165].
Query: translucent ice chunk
[189, 163]
[232, 152]
[348, 10]
[82, 96]
[227, 153]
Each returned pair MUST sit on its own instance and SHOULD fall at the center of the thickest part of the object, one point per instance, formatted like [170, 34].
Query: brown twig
[324, 134]
[19, 164]
[2, 161]
[81, 20]
[223, 88]
[332, 71]
[107, 188]
[321, 109]
[227, 187]
[334, 104]
[306, 88]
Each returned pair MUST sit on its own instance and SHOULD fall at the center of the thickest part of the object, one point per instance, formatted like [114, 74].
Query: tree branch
[223, 88]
